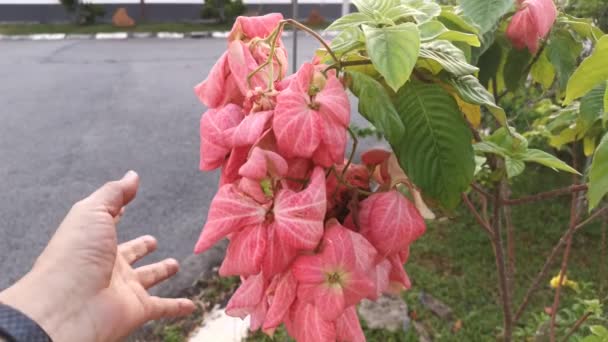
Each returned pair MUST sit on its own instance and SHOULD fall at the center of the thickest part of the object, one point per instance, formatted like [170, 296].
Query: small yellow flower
[565, 283]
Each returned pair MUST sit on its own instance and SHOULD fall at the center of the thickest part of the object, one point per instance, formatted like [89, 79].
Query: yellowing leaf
[471, 111]
[598, 174]
[589, 145]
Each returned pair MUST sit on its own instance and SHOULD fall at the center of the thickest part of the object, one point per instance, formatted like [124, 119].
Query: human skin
[83, 286]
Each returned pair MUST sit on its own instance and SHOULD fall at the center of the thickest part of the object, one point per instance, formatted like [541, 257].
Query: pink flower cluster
[531, 23]
[308, 237]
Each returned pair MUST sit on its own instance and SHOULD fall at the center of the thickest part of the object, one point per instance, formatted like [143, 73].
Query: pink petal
[331, 301]
[220, 87]
[284, 296]
[246, 297]
[325, 156]
[308, 269]
[254, 27]
[346, 248]
[245, 252]
[297, 127]
[381, 277]
[348, 328]
[334, 103]
[251, 128]
[236, 159]
[279, 255]
[214, 146]
[258, 315]
[263, 163]
[359, 285]
[394, 222]
[230, 211]
[299, 216]
[299, 169]
[311, 327]
[531, 23]
[375, 156]
[241, 64]
[253, 189]
[399, 279]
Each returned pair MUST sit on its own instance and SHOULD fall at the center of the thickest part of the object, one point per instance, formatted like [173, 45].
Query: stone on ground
[388, 312]
[219, 327]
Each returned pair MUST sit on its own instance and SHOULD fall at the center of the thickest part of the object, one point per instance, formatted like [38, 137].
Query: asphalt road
[75, 114]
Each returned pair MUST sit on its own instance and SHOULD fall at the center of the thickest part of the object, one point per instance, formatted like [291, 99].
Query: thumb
[115, 195]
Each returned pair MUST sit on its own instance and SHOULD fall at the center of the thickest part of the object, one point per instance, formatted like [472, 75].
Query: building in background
[51, 11]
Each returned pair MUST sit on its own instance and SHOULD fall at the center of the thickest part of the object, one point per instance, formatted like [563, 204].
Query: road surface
[75, 114]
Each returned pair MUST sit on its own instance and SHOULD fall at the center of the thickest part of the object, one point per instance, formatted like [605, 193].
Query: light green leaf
[514, 167]
[543, 71]
[393, 51]
[350, 20]
[590, 73]
[376, 106]
[370, 6]
[450, 57]
[472, 91]
[563, 52]
[599, 330]
[485, 13]
[605, 117]
[583, 26]
[402, 12]
[479, 163]
[592, 105]
[455, 21]
[508, 139]
[436, 150]
[348, 40]
[434, 29]
[428, 10]
[546, 159]
[598, 174]
[490, 147]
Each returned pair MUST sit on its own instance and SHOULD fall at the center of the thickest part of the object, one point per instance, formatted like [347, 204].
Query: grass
[21, 29]
[454, 262]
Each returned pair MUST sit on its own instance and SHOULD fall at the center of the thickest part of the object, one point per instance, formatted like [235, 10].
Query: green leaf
[485, 13]
[427, 10]
[563, 52]
[605, 117]
[436, 150]
[450, 57]
[370, 6]
[543, 71]
[393, 51]
[599, 330]
[583, 26]
[348, 40]
[350, 20]
[434, 29]
[489, 64]
[454, 21]
[546, 159]
[592, 105]
[592, 71]
[598, 174]
[515, 67]
[514, 167]
[376, 106]
[490, 147]
[472, 91]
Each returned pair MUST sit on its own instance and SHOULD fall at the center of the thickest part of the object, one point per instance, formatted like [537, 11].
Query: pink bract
[215, 145]
[312, 115]
[531, 23]
[246, 28]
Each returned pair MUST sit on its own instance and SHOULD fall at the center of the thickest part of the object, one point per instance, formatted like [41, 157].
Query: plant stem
[352, 152]
[481, 191]
[536, 58]
[602, 266]
[547, 195]
[483, 223]
[510, 229]
[576, 326]
[549, 261]
[499, 254]
[314, 34]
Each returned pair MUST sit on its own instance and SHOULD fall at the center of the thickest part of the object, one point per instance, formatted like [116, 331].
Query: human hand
[83, 287]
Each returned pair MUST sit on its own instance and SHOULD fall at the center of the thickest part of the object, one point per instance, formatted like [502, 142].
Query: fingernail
[129, 174]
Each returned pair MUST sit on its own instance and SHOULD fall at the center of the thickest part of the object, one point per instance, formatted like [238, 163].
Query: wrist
[27, 297]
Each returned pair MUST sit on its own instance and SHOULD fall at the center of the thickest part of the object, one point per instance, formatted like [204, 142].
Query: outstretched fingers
[170, 307]
[137, 248]
[154, 274]
[115, 195]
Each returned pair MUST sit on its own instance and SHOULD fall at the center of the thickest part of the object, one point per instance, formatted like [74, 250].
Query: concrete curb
[132, 35]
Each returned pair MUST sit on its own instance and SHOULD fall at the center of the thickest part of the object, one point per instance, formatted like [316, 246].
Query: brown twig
[542, 274]
[483, 223]
[499, 254]
[312, 32]
[352, 152]
[602, 266]
[547, 195]
[510, 229]
[482, 191]
[576, 326]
